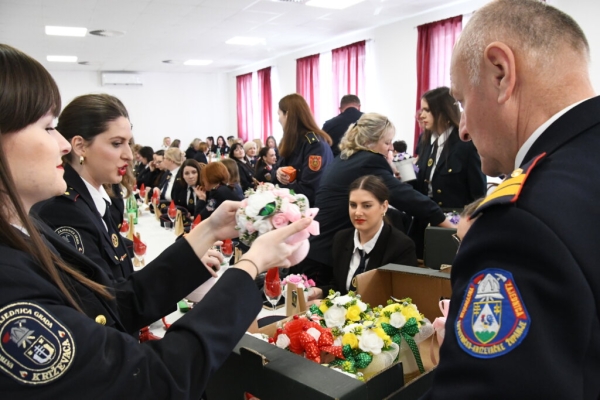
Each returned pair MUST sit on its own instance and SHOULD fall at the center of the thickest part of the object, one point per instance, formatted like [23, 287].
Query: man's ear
[78, 146]
[499, 66]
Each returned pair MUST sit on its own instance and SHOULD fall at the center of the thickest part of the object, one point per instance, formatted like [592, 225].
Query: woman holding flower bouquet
[66, 321]
[371, 243]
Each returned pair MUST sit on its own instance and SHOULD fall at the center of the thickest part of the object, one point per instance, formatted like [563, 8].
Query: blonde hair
[174, 154]
[247, 146]
[366, 131]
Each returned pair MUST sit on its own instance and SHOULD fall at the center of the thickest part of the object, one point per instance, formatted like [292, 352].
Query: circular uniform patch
[72, 236]
[493, 319]
[34, 347]
[115, 240]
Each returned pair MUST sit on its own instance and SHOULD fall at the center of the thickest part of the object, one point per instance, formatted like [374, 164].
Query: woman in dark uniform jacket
[221, 146]
[304, 146]
[245, 169]
[449, 169]
[363, 150]
[188, 179]
[383, 244]
[78, 319]
[148, 174]
[215, 191]
[265, 163]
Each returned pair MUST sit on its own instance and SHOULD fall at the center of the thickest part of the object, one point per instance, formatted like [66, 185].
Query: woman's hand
[200, 193]
[271, 249]
[222, 220]
[212, 260]
[282, 177]
[315, 294]
[447, 224]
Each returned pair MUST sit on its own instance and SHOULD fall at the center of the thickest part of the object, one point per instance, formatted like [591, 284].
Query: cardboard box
[268, 372]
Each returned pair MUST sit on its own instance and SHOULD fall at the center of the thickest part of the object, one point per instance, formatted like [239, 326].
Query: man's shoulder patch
[509, 190]
[492, 319]
[71, 236]
[35, 348]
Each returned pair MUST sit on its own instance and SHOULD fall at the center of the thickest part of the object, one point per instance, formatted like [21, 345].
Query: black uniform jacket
[99, 359]
[336, 127]
[148, 178]
[332, 198]
[75, 218]
[214, 198]
[265, 173]
[392, 247]
[180, 196]
[200, 157]
[457, 179]
[310, 158]
[541, 226]
[246, 174]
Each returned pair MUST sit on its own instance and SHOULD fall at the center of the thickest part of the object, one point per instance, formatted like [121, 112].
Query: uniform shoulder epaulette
[509, 190]
[71, 194]
[312, 138]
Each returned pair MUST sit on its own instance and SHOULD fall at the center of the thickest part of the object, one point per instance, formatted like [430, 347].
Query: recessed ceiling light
[61, 58]
[246, 41]
[333, 4]
[65, 31]
[198, 62]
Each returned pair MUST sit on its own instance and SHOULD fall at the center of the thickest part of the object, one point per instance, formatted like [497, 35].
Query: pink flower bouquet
[271, 207]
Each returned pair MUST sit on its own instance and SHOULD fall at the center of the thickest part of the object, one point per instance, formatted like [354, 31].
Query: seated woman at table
[69, 303]
[171, 164]
[371, 243]
[246, 172]
[234, 176]
[221, 147]
[188, 179]
[264, 165]
[202, 154]
[216, 189]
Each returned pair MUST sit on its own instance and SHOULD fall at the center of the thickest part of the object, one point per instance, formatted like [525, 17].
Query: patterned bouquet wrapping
[271, 207]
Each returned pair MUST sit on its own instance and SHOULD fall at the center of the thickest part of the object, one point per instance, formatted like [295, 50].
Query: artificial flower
[335, 317]
[353, 313]
[370, 342]
[350, 339]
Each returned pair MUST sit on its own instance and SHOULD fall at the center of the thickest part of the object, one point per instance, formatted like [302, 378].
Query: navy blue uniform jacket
[308, 177]
[546, 236]
[457, 179]
[332, 198]
[392, 247]
[336, 127]
[107, 362]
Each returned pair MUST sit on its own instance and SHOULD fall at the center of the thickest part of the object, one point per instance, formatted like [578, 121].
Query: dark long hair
[260, 162]
[189, 163]
[299, 122]
[233, 148]
[27, 93]
[372, 184]
[445, 112]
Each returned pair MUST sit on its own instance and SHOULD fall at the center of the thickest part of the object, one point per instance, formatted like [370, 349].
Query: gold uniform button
[439, 191]
[116, 258]
[516, 172]
[450, 170]
[440, 203]
[101, 319]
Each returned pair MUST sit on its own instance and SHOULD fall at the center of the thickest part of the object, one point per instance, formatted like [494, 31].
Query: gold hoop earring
[81, 160]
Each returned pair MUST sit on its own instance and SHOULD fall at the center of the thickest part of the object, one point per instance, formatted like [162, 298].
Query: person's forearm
[201, 239]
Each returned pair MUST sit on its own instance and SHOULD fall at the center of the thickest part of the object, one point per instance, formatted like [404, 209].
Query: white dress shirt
[441, 138]
[170, 184]
[366, 248]
[99, 197]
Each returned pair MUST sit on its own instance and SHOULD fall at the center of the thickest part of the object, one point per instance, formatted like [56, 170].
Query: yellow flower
[383, 319]
[392, 308]
[323, 307]
[353, 313]
[351, 339]
[411, 311]
[381, 333]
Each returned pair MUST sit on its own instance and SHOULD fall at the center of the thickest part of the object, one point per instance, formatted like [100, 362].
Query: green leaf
[268, 209]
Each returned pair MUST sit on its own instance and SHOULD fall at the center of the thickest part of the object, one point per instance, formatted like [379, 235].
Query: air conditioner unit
[121, 78]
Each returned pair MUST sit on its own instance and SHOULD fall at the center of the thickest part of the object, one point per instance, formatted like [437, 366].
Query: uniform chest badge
[71, 236]
[115, 240]
[314, 163]
[210, 206]
[35, 348]
[430, 162]
[493, 319]
[191, 201]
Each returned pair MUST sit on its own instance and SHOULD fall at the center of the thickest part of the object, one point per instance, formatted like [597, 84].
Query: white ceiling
[180, 30]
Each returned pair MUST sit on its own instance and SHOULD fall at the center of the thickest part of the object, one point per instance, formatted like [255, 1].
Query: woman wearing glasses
[66, 321]
[363, 151]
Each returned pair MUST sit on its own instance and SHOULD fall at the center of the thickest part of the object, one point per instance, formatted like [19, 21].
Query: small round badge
[115, 240]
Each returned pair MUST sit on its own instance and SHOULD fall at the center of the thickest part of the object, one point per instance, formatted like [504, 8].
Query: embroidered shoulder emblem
[71, 236]
[210, 206]
[493, 319]
[510, 189]
[35, 348]
[314, 163]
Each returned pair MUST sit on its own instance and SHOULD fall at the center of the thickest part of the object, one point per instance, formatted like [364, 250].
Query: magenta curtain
[265, 102]
[434, 53]
[348, 64]
[307, 81]
[244, 106]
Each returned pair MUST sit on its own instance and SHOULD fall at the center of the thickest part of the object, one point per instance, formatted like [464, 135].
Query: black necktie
[165, 185]
[192, 199]
[431, 161]
[107, 218]
[362, 266]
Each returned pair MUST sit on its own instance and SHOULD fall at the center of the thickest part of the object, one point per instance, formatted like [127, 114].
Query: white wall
[182, 106]
[392, 87]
